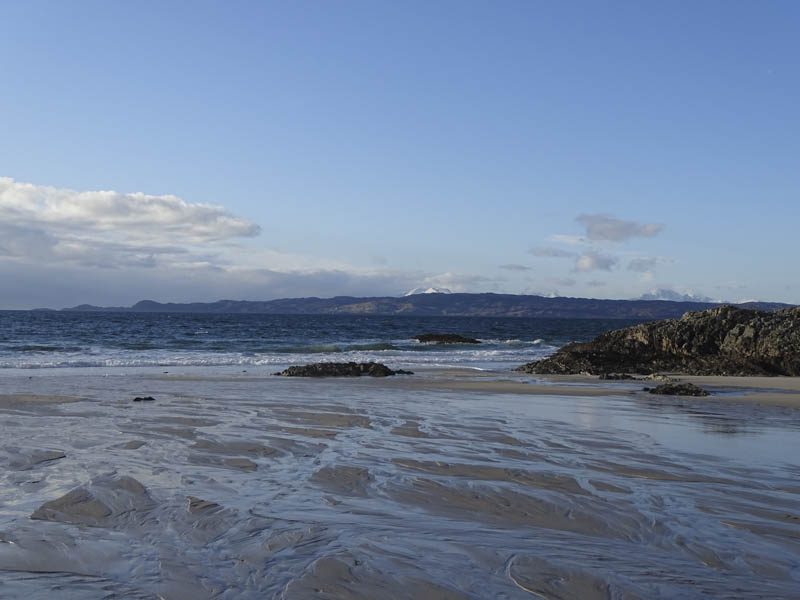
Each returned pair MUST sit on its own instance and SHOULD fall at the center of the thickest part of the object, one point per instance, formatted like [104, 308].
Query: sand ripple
[231, 489]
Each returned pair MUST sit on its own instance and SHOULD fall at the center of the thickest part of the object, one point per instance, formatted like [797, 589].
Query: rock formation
[720, 341]
[349, 369]
[677, 389]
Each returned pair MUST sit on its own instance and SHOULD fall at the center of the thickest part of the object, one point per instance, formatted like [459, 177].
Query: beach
[451, 483]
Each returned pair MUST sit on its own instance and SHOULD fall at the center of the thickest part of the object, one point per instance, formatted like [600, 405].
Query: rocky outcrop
[444, 338]
[720, 341]
[677, 389]
[348, 369]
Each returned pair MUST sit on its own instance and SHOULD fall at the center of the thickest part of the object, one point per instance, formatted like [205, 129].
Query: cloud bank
[61, 247]
[595, 261]
[605, 228]
[109, 229]
[548, 252]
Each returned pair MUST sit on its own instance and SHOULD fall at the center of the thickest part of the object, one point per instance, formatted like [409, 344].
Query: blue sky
[273, 149]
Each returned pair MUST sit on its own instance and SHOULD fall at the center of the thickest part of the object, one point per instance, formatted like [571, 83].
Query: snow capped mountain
[675, 296]
[430, 290]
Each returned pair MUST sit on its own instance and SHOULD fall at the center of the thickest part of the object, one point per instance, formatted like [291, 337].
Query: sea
[55, 340]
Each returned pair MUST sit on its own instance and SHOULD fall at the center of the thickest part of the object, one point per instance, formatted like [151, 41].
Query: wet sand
[458, 485]
[782, 391]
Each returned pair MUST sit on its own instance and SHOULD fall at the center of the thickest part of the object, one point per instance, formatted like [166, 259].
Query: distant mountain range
[433, 304]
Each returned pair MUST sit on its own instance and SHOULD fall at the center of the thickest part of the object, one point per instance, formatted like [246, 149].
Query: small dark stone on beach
[144, 399]
[677, 389]
[618, 377]
[348, 369]
[444, 338]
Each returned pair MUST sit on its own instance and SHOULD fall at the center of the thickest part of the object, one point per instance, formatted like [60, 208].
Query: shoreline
[757, 390]
[771, 391]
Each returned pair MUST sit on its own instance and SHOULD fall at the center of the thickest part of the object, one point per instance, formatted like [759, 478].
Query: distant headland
[471, 305]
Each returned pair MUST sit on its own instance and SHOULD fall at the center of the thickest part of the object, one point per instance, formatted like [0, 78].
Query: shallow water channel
[259, 487]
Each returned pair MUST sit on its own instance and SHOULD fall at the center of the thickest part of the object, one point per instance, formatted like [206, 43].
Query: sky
[195, 151]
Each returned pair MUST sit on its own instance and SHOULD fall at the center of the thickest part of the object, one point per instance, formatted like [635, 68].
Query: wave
[513, 343]
[329, 348]
[484, 358]
[44, 348]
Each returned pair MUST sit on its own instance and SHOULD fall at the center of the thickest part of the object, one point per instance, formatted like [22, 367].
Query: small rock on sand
[677, 389]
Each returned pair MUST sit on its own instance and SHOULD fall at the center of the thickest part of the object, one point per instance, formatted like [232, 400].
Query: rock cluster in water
[348, 369]
[721, 341]
[677, 389]
[444, 338]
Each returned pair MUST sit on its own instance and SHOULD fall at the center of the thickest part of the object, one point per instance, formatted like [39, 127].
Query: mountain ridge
[458, 304]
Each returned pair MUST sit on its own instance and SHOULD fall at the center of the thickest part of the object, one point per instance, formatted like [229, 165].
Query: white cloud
[552, 252]
[460, 282]
[647, 263]
[135, 216]
[642, 265]
[515, 267]
[110, 229]
[595, 261]
[603, 227]
[574, 240]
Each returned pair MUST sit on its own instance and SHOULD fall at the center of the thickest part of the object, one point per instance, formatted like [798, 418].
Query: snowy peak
[675, 296]
[430, 290]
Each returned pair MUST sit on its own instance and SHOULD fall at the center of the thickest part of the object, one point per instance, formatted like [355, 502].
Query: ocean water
[45, 340]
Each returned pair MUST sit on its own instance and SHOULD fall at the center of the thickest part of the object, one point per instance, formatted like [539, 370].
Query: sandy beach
[774, 391]
[452, 484]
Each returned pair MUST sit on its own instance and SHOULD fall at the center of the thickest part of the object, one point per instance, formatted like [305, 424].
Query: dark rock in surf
[617, 377]
[144, 399]
[721, 341]
[444, 338]
[677, 389]
[348, 369]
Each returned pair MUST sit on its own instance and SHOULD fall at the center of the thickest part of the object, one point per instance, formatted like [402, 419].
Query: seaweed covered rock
[444, 338]
[348, 369]
[720, 341]
[677, 389]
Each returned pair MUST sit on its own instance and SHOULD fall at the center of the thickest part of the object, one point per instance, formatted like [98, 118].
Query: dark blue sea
[47, 340]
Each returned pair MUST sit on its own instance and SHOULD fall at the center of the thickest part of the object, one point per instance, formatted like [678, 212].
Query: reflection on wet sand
[253, 488]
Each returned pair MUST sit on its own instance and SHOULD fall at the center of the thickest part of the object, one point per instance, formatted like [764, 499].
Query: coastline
[772, 391]
[768, 391]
